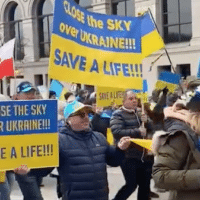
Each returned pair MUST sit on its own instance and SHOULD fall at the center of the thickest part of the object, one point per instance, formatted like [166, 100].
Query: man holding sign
[84, 155]
[127, 121]
[33, 120]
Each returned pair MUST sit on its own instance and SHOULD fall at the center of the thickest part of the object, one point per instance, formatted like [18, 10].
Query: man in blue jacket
[84, 155]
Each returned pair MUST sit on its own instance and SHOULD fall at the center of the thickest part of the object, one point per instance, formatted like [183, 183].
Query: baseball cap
[25, 87]
[75, 106]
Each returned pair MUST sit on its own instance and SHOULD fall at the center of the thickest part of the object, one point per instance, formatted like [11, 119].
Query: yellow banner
[146, 143]
[34, 150]
[101, 50]
[72, 66]
[109, 96]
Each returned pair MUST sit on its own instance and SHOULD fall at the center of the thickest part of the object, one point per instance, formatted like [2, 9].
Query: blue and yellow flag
[169, 80]
[59, 89]
[101, 50]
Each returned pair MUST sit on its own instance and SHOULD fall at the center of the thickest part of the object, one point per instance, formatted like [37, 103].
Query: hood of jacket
[171, 126]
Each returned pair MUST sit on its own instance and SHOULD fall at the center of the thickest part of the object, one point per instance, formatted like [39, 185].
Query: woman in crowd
[177, 153]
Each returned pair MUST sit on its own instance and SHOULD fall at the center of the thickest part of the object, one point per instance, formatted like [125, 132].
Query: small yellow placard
[33, 150]
[108, 96]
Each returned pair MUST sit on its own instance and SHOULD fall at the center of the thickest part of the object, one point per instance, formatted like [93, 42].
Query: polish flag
[6, 59]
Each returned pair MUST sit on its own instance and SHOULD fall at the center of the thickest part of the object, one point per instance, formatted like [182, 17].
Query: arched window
[14, 29]
[45, 22]
[177, 20]
[123, 7]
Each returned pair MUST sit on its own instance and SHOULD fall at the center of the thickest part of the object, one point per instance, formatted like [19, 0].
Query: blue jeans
[30, 186]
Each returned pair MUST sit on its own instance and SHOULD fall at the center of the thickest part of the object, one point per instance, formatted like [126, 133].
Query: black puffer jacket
[124, 123]
[83, 159]
[100, 124]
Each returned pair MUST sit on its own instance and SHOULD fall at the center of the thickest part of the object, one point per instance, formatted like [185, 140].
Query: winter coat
[83, 159]
[100, 123]
[177, 161]
[179, 111]
[124, 123]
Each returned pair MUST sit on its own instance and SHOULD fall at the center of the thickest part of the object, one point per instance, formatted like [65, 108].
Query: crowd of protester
[171, 120]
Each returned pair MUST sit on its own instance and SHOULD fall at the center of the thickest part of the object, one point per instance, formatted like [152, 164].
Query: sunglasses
[80, 114]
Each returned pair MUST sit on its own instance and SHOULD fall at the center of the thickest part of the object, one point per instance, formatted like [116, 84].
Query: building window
[85, 4]
[177, 20]
[77, 1]
[14, 29]
[184, 70]
[38, 79]
[45, 22]
[164, 68]
[46, 79]
[123, 7]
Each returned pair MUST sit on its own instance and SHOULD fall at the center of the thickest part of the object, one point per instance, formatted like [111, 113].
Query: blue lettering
[73, 62]
[65, 60]
[141, 70]
[125, 69]
[117, 68]
[94, 66]
[112, 69]
[104, 69]
[58, 59]
[82, 64]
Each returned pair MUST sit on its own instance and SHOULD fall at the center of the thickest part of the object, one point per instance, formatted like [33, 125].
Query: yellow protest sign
[34, 150]
[108, 96]
[146, 143]
[28, 134]
[101, 50]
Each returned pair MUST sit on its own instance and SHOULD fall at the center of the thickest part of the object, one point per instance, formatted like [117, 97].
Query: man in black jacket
[127, 121]
[83, 156]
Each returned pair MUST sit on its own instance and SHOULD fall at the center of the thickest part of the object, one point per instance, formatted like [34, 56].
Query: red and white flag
[6, 59]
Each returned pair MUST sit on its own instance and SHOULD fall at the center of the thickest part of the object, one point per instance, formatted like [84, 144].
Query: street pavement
[115, 179]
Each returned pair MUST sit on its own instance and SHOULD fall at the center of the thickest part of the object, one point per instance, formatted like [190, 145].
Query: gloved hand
[165, 90]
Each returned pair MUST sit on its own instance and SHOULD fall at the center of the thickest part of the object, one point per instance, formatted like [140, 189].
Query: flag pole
[149, 10]
[15, 57]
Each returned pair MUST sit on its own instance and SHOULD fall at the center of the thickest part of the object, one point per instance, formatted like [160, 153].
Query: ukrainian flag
[169, 80]
[151, 39]
[59, 89]
[143, 94]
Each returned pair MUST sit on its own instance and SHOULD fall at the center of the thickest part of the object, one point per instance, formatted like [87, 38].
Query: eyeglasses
[80, 114]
